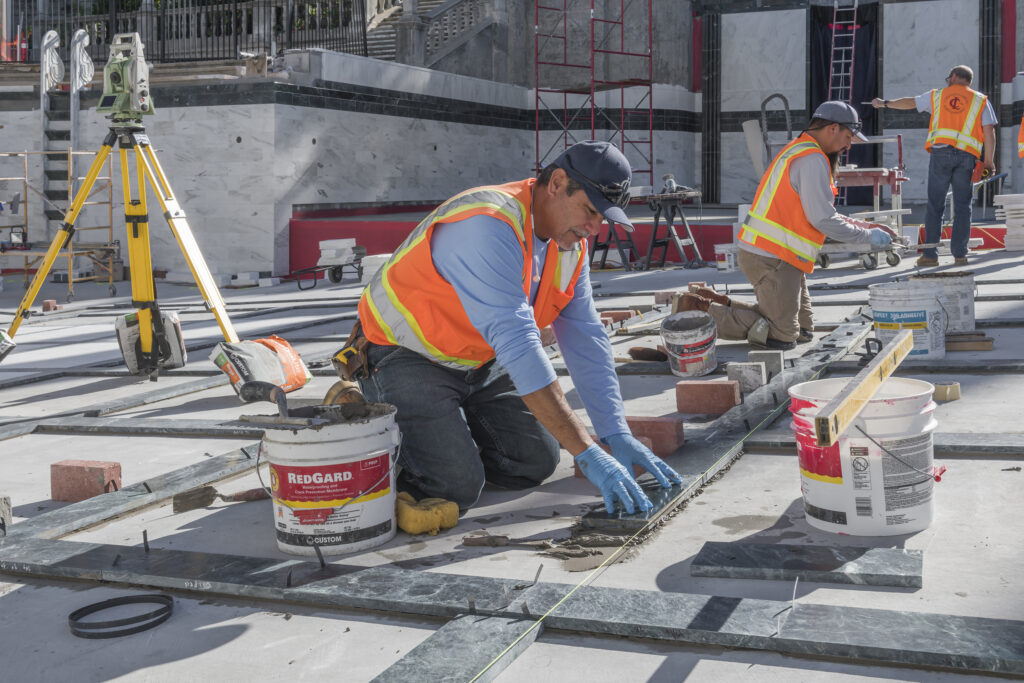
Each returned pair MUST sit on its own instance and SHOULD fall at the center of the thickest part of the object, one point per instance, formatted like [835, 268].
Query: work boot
[805, 336]
[927, 262]
[773, 345]
[960, 261]
[691, 302]
[710, 294]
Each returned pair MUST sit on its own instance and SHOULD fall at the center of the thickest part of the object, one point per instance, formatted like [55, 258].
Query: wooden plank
[844, 407]
[970, 344]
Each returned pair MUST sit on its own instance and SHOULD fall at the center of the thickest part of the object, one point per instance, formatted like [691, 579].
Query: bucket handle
[936, 472]
[391, 465]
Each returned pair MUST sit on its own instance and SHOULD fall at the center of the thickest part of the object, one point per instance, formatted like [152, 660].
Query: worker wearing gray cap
[789, 219]
[452, 338]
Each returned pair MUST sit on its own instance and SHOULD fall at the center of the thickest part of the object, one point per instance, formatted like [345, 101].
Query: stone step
[58, 134]
[56, 194]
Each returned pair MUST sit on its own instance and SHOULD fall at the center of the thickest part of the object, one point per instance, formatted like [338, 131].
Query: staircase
[380, 41]
[56, 138]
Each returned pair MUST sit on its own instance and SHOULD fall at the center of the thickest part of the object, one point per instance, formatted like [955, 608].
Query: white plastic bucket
[916, 306]
[957, 294]
[725, 257]
[690, 338]
[853, 486]
[333, 482]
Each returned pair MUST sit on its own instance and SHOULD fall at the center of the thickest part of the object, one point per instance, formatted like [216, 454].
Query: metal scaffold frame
[582, 53]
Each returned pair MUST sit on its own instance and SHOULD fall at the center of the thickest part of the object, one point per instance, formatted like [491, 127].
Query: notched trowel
[205, 495]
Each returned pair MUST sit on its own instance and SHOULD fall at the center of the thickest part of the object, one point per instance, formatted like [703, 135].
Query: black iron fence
[185, 30]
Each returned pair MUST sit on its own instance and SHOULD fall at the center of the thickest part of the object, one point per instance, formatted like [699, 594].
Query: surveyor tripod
[153, 345]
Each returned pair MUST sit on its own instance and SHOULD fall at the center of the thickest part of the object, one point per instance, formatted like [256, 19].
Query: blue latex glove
[880, 238]
[613, 480]
[628, 451]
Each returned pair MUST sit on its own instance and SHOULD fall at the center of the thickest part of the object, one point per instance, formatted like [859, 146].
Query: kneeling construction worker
[450, 335]
[790, 218]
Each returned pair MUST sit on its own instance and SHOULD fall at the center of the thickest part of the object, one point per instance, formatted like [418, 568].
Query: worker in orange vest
[1020, 138]
[790, 217]
[450, 335]
[961, 131]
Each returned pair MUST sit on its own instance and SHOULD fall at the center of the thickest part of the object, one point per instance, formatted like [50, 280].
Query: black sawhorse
[667, 206]
[621, 243]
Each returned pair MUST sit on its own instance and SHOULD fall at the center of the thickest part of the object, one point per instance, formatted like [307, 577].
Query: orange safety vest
[409, 304]
[776, 222]
[956, 119]
[1020, 139]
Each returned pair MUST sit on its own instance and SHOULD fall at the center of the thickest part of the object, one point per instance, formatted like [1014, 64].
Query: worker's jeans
[782, 300]
[459, 428]
[949, 166]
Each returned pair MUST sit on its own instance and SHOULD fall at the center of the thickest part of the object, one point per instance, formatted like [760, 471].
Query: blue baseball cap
[604, 173]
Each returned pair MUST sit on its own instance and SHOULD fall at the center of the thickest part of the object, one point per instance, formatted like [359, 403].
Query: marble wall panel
[678, 154]
[923, 40]
[373, 158]
[739, 178]
[915, 160]
[764, 53]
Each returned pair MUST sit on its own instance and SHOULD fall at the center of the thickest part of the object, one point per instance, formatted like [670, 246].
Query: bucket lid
[686, 321]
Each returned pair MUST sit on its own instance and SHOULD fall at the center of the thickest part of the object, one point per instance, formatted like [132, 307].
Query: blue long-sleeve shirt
[482, 260]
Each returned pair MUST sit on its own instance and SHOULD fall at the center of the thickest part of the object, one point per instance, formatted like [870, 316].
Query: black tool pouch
[351, 362]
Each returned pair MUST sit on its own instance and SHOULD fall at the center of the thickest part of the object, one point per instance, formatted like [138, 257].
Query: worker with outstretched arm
[449, 333]
[792, 214]
[962, 124]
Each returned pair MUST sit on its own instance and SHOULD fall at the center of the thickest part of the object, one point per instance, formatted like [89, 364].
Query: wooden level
[842, 410]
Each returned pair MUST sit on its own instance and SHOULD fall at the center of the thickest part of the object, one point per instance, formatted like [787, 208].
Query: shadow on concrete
[789, 527]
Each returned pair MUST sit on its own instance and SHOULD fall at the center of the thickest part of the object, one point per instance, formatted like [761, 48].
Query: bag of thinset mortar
[128, 334]
[265, 360]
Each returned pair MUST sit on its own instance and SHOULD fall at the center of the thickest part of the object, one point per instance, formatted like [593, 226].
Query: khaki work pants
[782, 300]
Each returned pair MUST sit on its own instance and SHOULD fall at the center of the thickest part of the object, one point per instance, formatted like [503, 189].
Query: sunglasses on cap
[617, 194]
[854, 127]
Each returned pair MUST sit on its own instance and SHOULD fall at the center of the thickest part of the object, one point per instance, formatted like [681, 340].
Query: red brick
[706, 397]
[49, 305]
[664, 296]
[695, 284]
[617, 316]
[665, 433]
[637, 470]
[75, 480]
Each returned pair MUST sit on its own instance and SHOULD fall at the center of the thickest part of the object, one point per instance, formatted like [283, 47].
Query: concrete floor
[972, 550]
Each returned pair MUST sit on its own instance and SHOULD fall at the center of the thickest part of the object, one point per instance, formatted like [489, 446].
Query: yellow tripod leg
[63, 236]
[186, 240]
[139, 254]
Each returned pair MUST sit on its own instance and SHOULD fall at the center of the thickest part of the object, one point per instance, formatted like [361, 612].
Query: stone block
[617, 315]
[75, 480]
[773, 361]
[637, 471]
[706, 397]
[665, 433]
[269, 281]
[664, 296]
[49, 305]
[749, 375]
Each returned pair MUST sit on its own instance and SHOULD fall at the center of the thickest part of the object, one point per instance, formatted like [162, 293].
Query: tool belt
[350, 361]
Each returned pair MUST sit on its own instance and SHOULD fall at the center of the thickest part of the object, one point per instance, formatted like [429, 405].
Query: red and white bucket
[690, 338]
[877, 479]
[333, 481]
